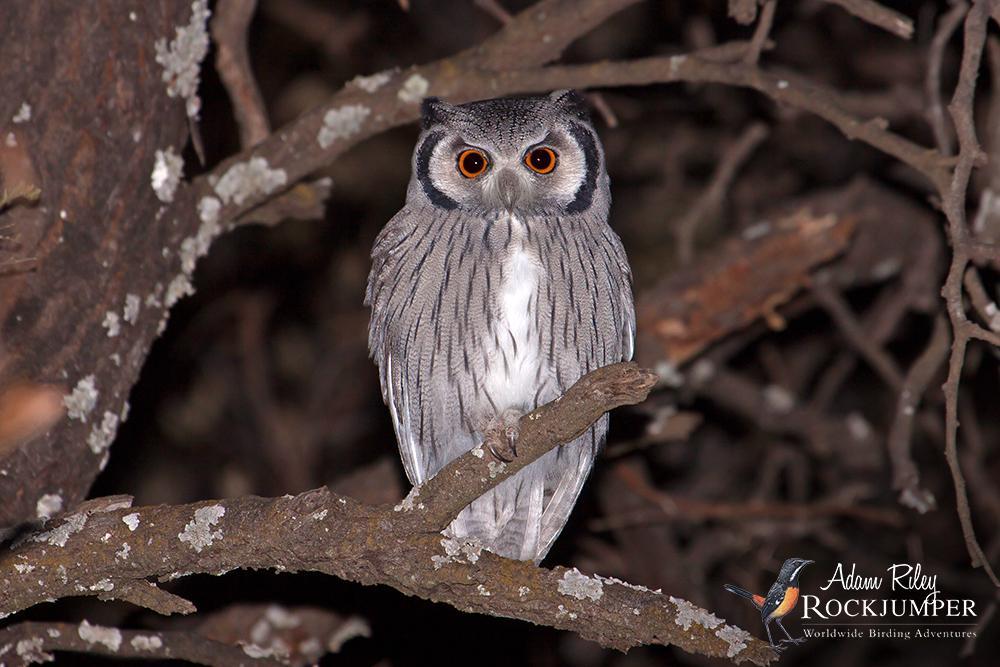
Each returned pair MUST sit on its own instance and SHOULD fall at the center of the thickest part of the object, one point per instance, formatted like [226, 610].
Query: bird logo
[780, 599]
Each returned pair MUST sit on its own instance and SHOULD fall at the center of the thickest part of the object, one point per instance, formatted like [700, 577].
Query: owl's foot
[502, 444]
[501, 436]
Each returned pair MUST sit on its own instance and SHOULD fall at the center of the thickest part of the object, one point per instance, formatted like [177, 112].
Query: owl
[495, 288]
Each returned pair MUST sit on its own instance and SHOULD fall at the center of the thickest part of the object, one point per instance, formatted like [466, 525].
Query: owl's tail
[521, 517]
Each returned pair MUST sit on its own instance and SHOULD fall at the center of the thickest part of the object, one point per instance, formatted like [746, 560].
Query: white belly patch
[512, 378]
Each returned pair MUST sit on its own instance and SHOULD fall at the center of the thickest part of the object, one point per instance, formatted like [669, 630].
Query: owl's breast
[514, 364]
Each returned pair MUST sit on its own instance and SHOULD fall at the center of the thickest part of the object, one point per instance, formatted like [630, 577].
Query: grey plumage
[492, 294]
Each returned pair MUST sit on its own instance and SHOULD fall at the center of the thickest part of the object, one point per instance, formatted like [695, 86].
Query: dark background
[261, 382]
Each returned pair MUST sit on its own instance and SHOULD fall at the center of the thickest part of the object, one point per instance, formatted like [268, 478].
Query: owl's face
[513, 155]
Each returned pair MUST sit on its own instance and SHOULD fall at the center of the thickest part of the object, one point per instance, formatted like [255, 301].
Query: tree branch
[905, 475]
[712, 198]
[953, 199]
[101, 552]
[298, 151]
[230, 26]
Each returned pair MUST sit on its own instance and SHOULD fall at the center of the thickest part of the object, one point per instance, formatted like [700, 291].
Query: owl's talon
[503, 444]
[497, 455]
[511, 434]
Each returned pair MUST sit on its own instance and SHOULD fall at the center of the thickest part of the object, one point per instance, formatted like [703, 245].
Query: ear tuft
[433, 111]
[571, 102]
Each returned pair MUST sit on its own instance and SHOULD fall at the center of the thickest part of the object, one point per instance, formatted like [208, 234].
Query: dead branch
[694, 307]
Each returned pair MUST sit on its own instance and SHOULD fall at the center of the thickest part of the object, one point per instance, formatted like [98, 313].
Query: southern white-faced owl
[496, 287]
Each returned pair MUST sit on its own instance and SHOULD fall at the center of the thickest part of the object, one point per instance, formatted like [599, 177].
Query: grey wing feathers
[386, 260]
[621, 270]
[413, 344]
[570, 483]
[612, 340]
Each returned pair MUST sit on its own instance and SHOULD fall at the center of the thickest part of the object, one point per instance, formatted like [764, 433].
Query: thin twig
[495, 9]
[905, 476]
[838, 309]
[603, 108]
[984, 306]
[335, 34]
[947, 25]
[760, 33]
[711, 199]
[686, 510]
[985, 618]
[230, 24]
[878, 15]
[669, 507]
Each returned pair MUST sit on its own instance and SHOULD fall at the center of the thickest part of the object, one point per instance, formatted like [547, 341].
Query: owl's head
[532, 155]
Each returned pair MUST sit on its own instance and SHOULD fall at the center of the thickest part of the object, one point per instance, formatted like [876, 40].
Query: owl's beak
[508, 188]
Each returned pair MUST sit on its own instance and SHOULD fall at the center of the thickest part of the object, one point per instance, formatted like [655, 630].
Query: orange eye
[472, 163]
[541, 160]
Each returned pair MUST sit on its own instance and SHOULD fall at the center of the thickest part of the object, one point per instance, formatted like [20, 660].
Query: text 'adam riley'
[926, 602]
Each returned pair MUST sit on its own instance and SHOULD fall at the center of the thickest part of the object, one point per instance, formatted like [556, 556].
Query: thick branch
[705, 301]
[101, 552]
[322, 532]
